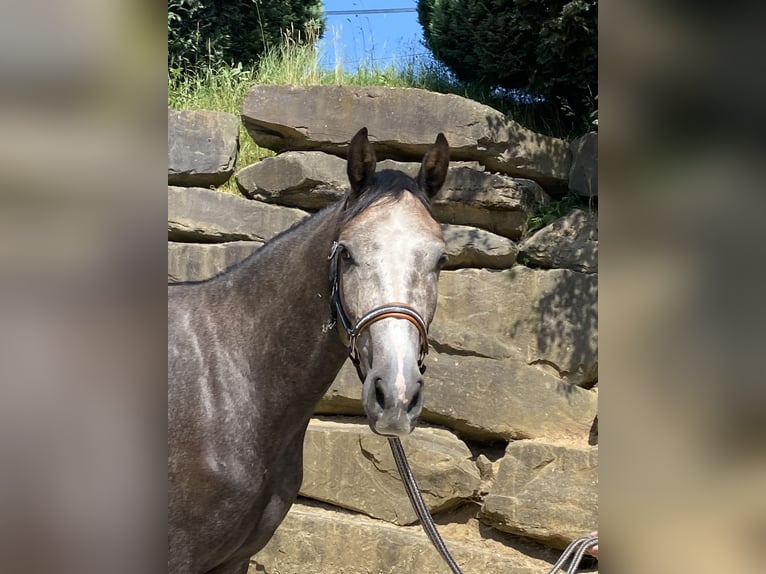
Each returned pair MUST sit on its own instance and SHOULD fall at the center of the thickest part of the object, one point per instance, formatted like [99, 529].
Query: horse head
[387, 258]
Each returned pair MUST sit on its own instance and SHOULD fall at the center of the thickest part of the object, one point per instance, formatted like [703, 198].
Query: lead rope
[576, 548]
[413, 492]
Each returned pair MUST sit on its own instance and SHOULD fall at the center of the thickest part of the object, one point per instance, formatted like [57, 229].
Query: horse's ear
[361, 163]
[433, 169]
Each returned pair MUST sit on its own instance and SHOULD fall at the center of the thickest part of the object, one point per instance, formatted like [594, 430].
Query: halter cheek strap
[387, 311]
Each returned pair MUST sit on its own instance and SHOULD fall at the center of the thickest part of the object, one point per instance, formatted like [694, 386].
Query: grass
[221, 87]
[555, 209]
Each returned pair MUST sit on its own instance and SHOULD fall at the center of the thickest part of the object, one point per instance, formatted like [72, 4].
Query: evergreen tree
[226, 31]
[540, 48]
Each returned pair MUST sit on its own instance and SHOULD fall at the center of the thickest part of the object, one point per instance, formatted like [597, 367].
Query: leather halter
[389, 310]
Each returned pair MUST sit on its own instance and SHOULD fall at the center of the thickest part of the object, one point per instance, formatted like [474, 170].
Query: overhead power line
[372, 11]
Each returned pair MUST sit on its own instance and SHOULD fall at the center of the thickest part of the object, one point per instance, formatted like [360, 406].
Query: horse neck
[284, 291]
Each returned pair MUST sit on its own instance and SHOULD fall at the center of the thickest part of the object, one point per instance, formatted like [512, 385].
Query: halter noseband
[389, 310]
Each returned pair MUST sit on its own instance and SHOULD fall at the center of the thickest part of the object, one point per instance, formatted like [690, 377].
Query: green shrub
[212, 32]
[537, 49]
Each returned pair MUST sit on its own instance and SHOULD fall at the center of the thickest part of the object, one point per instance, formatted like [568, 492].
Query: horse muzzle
[393, 396]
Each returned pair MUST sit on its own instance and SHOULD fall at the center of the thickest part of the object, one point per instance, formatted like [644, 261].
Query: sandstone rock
[347, 465]
[411, 168]
[205, 215]
[570, 242]
[583, 175]
[485, 399]
[402, 123]
[308, 180]
[315, 540]
[494, 202]
[545, 492]
[313, 180]
[202, 147]
[195, 261]
[472, 247]
[545, 317]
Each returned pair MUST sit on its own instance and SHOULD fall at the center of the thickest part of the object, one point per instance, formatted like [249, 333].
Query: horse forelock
[388, 186]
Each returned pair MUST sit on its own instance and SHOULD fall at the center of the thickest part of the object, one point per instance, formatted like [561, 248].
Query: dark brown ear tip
[359, 138]
[440, 139]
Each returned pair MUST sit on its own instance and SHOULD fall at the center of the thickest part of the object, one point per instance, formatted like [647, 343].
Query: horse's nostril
[380, 396]
[414, 402]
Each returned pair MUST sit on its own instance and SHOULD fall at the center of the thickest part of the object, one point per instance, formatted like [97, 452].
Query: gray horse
[252, 350]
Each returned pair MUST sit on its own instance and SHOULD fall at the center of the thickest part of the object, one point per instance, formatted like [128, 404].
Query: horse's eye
[346, 255]
[442, 261]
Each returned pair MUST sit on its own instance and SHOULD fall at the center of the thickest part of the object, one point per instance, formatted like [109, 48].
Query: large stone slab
[583, 175]
[314, 540]
[491, 201]
[546, 492]
[485, 399]
[346, 464]
[488, 399]
[206, 215]
[570, 242]
[402, 123]
[198, 261]
[306, 179]
[202, 147]
[472, 247]
[539, 316]
[313, 180]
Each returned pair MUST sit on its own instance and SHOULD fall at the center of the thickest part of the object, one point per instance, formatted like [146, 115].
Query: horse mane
[387, 186]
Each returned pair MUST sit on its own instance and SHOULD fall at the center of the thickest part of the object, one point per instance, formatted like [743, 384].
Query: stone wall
[507, 453]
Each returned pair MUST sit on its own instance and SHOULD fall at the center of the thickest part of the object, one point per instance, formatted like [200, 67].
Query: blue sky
[377, 39]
